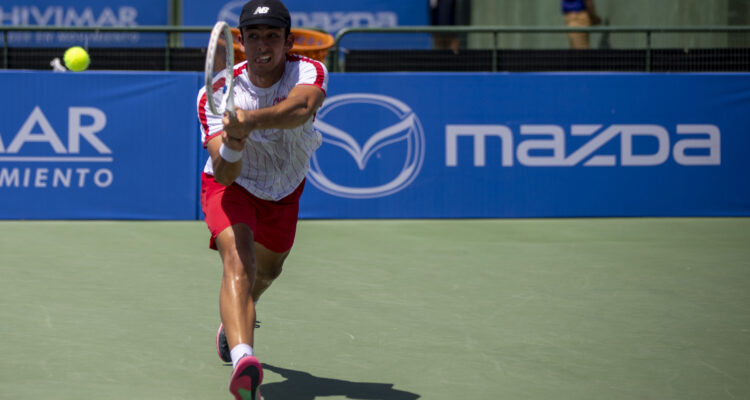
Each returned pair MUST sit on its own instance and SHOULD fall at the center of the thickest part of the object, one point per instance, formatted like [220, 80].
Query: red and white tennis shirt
[275, 161]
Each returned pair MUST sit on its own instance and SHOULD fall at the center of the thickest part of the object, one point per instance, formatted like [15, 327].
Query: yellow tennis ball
[76, 59]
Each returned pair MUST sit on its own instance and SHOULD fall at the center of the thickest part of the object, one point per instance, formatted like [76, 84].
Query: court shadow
[304, 386]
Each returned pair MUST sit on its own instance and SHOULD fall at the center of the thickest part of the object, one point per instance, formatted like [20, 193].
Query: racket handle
[230, 103]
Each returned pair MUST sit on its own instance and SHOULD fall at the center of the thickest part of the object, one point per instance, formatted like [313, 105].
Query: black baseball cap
[265, 12]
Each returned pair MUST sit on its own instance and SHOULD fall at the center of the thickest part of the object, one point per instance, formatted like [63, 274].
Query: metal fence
[614, 49]
[169, 55]
[481, 49]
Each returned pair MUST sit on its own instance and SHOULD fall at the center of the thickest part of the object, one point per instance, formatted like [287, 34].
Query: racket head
[220, 52]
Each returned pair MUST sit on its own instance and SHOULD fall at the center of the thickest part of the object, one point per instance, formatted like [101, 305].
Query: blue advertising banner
[83, 13]
[331, 16]
[98, 145]
[399, 145]
[531, 145]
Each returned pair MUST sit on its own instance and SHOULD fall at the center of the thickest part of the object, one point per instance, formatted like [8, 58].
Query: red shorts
[274, 223]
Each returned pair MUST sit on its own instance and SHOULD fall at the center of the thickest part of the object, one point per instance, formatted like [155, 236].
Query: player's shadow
[304, 386]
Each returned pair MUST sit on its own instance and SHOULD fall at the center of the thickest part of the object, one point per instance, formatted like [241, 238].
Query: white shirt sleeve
[210, 123]
[312, 72]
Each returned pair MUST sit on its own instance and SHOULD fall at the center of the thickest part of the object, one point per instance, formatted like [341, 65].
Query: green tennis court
[394, 310]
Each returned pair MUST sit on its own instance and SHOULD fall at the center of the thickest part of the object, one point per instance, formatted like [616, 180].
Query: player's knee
[239, 266]
[271, 271]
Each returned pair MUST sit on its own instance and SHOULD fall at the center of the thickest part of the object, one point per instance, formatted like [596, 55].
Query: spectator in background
[443, 12]
[579, 13]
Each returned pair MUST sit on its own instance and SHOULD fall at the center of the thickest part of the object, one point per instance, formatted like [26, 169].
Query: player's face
[265, 49]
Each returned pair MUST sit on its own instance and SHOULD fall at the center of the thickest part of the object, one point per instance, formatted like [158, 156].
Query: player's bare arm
[225, 172]
[303, 101]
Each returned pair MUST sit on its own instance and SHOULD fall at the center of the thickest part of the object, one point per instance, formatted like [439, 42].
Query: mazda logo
[405, 137]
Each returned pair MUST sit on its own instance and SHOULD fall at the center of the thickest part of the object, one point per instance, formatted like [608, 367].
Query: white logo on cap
[261, 10]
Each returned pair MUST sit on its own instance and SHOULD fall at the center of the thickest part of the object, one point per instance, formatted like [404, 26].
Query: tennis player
[253, 179]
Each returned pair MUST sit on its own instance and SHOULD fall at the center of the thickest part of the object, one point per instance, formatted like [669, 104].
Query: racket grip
[230, 105]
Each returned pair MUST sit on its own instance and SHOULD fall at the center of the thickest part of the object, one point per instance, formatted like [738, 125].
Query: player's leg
[235, 245]
[230, 217]
[269, 266]
[276, 227]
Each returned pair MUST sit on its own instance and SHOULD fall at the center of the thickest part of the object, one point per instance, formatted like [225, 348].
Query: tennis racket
[220, 50]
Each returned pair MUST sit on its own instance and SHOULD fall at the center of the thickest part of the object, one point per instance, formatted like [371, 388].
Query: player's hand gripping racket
[220, 51]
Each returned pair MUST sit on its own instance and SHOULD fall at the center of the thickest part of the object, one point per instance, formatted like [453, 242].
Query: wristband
[229, 155]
